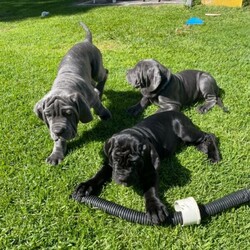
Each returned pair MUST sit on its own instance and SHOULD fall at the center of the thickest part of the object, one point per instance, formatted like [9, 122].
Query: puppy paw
[84, 189]
[156, 212]
[202, 109]
[105, 115]
[209, 146]
[55, 158]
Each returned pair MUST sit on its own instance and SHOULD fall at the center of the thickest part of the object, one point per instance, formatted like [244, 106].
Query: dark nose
[58, 131]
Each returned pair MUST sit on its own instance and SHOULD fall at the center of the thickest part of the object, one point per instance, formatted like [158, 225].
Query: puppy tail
[221, 105]
[88, 33]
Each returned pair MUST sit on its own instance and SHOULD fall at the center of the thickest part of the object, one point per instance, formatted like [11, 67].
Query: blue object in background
[194, 21]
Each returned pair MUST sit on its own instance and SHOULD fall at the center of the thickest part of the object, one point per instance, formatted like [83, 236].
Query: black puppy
[172, 91]
[134, 154]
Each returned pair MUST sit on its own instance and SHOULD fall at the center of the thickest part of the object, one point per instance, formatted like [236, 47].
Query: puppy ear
[38, 109]
[108, 146]
[165, 73]
[154, 78]
[82, 107]
[150, 152]
[156, 75]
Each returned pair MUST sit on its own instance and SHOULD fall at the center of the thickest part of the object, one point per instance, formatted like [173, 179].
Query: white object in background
[189, 3]
[44, 13]
[189, 209]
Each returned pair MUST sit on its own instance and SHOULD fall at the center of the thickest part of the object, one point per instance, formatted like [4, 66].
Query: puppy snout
[58, 130]
[122, 178]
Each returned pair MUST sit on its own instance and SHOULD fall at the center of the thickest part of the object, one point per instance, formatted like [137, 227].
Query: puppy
[72, 95]
[133, 157]
[172, 91]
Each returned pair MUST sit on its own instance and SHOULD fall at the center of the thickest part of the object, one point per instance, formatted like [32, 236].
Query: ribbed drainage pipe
[232, 200]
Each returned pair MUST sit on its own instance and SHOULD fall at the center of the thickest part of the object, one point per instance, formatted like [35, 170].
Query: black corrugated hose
[232, 200]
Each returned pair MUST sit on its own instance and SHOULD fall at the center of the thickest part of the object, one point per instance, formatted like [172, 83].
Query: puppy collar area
[189, 209]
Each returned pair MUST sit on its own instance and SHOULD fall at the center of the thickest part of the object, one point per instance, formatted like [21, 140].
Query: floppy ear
[83, 108]
[38, 109]
[156, 75]
[108, 146]
[151, 155]
[165, 73]
[153, 78]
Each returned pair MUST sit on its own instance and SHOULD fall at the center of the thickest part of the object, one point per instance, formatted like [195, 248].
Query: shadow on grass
[172, 173]
[14, 10]
[103, 130]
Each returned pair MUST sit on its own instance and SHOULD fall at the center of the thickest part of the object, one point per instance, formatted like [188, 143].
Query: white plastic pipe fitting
[189, 209]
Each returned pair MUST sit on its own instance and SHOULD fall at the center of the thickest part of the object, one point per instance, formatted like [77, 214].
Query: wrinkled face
[126, 159]
[144, 73]
[136, 75]
[61, 117]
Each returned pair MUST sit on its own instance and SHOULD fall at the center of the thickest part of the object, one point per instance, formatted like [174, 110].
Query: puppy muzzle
[124, 178]
[59, 131]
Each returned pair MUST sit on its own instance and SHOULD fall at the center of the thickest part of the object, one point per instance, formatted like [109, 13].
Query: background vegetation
[35, 209]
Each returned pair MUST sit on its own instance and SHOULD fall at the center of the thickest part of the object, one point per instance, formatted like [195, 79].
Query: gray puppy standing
[172, 91]
[73, 94]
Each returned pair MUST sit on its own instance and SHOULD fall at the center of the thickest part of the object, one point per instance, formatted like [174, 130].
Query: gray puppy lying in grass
[172, 91]
[133, 156]
[73, 94]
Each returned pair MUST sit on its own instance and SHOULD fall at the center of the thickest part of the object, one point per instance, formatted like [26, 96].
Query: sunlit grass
[35, 209]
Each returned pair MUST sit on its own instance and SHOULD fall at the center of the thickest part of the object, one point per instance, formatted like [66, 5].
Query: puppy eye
[48, 114]
[133, 163]
[68, 112]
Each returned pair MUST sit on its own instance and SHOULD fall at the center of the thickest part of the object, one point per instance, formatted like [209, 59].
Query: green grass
[35, 209]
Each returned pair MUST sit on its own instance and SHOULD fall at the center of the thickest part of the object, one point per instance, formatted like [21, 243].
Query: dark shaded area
[11, 10]
[172, 173]
[119, 102]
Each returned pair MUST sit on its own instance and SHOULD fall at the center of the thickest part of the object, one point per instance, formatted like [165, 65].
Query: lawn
[35, 209]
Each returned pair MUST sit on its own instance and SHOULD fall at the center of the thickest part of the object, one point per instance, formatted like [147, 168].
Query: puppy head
[62, 113]
[129, 156]
[148, 74]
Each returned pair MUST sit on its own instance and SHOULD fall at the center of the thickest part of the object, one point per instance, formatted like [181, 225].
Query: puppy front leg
[93, 185]
[156, 211]
[101, 111]
[139, 107]
[58, 153]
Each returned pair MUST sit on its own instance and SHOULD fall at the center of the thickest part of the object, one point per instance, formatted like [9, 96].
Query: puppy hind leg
[101, 83]
[187, 131]
[204, 108]
[206, 143]
[209, 146]
[101, 111]
[221, 105]
[209, 90]
[209, 104]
